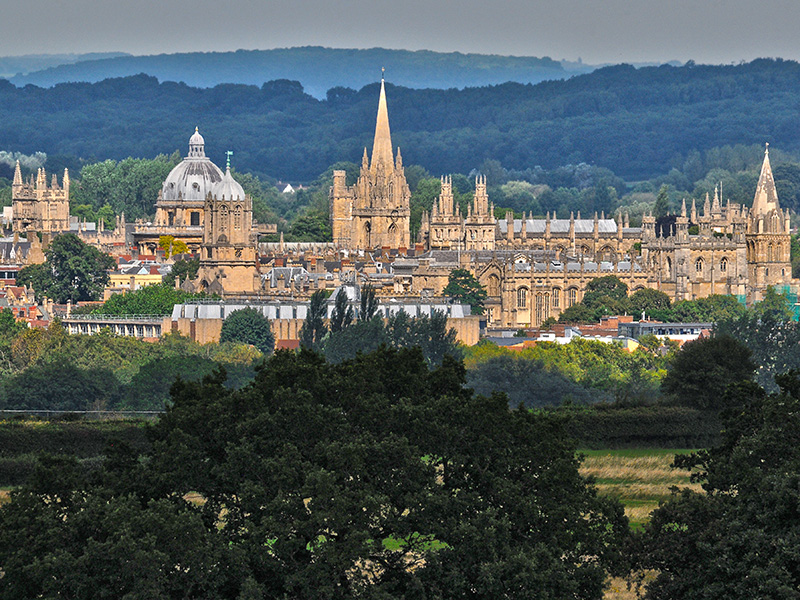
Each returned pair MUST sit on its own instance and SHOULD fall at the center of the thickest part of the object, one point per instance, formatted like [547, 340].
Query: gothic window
[556, 298]
[698, 266]
[522, 298]
[769, 253]
[493, 287]
[223, 219]
[723, 265]
[237, 217]
[195, 218]
[572, 297]
[542, 307]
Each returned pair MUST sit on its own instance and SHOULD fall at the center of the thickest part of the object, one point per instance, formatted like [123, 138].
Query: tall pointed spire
[766, 198]
[382, 146]
[17, 175]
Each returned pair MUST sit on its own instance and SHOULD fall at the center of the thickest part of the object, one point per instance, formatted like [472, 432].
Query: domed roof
[228, 188]
[196, 139]
[192, 178]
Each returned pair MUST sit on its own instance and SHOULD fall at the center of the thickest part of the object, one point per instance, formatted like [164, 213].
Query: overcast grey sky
[712, 31]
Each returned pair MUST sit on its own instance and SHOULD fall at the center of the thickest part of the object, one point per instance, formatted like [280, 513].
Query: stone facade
[228, 259]
[37, 206]
[375, 212]
[533, 269]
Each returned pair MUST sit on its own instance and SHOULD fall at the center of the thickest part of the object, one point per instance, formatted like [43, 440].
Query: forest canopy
[638, 122]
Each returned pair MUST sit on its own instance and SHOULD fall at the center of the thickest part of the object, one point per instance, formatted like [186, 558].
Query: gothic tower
[375, 212]
[228, 260]
[768, 238]
[38, 206]
[480, 222]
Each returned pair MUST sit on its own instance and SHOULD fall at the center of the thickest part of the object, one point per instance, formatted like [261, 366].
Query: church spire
[382, 146]
[17, 175]
[766, 198]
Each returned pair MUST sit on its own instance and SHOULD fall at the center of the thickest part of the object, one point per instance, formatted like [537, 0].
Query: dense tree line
[638, 122]
[374, 478]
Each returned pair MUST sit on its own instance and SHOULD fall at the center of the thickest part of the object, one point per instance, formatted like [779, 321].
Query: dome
[228, 188]
[192, 178]
[196, 139]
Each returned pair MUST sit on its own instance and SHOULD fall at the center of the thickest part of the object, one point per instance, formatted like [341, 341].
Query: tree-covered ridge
[638, 122]
[317, 68]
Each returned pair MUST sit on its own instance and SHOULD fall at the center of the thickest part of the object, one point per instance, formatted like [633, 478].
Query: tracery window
[572, 294]
[493, 287]
[522, 298]
[556, 298]
[237, 218]
[698, 266]
[723, 265]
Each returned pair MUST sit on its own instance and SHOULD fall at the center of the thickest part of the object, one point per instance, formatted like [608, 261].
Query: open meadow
[640, 478]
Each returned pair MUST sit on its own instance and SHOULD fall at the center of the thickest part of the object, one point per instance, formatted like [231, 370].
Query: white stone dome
[228, 188]
[192, 178]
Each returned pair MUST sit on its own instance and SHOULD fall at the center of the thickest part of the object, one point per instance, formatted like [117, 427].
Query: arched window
[769, 253]
[698, 266]
[723, 265]
[556, 298]
[572, 297]
[493, 286]
[542, 307]
[522, 298]
[223, 219]
[237, 217]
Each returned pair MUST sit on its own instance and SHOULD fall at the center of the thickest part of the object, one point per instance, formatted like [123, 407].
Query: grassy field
[640, 478]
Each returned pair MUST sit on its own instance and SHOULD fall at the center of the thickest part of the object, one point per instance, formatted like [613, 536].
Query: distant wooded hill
[638, 122]
[11, 66]
[318, 69]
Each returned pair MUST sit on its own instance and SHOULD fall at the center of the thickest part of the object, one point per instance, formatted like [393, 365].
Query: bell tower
[768, 238]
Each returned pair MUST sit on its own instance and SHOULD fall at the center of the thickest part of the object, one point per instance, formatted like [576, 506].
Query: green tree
[314, 328]
[651, 302]
[378, 478]
[736, 539]
[576, 314]
[171, 246]
[182, 269]
[157, 299]
[661, 208]
[463, 287]
[369, 304]
[248, 326]
[768, 330]
[9, 329]
[73, 271]
[699, 374]
[342, 315]
[60, 386]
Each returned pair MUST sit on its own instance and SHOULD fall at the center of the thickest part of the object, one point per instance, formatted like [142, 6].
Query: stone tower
[445, 225]
[375, 212]
[228, 260]
[37, 206]
[480, 227]
[768, 238]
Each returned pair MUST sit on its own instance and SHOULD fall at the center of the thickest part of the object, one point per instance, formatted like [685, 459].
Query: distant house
[288, 189]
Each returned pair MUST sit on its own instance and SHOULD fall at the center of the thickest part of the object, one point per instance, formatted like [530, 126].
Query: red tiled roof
[287, 344]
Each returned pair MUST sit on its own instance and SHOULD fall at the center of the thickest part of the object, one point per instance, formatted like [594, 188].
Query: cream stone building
[375, 212]
[181, 203]
[533, 269]
[228, 256]
[37, 206]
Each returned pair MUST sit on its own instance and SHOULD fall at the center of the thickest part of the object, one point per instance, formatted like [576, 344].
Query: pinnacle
[766, 198]
[382, 146]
